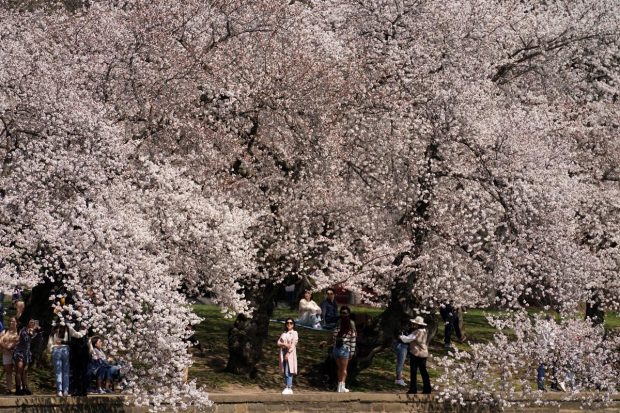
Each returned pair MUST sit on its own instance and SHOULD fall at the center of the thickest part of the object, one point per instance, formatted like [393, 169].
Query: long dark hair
[286, 321]
[345, 324]
[60, 329]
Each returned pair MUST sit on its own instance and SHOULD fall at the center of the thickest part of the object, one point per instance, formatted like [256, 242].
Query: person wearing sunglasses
[344, 339]
[329, 309]
[288, 354]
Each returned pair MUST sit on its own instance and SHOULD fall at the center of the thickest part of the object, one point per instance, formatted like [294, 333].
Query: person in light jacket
[418, 353]
[58, 347]
[309, 311]
[288, 354]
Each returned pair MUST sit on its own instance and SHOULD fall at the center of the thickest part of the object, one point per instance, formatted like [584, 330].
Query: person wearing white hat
[418, 350]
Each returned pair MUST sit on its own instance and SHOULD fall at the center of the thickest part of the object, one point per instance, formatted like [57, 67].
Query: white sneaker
[59, 394]
[344, 389]
[287, 391]
[562, 386]
[340, 387]
[400, 382]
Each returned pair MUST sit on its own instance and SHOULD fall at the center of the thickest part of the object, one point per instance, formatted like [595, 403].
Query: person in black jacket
[80, 358]
[450, 316]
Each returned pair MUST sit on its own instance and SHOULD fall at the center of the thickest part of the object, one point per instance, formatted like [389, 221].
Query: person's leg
[540, 376]
[58, 371]
[447, 334]
[288, 377]
[25, 378]
[457, 328]
[413, 385]
[19, 367]
[401, 357]
[8, 373]
[345, 365]
[65, 371]
[426, 381]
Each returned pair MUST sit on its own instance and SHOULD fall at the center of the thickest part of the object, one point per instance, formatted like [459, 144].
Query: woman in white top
[58, 346]
[309, 311]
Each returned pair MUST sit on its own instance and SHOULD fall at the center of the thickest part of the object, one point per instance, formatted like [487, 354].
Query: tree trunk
[594, 311]
[247, 336]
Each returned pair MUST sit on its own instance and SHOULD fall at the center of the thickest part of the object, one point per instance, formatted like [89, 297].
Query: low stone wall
[277, 403]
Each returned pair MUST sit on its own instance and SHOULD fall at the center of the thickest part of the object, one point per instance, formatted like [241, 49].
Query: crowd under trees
[412, 151]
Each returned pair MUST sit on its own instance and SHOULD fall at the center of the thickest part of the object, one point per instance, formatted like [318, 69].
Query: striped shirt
[348, 339]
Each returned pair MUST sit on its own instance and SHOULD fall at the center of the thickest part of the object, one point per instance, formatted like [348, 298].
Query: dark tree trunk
[594, 311]
[247, 336]
[37, 307]
[379, 336]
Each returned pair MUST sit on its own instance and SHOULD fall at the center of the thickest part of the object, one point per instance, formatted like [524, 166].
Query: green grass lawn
[208, 369]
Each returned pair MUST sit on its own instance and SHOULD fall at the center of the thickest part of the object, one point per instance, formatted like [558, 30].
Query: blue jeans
[60, 358]
[540, 376]
[288, 377]
[401, 350]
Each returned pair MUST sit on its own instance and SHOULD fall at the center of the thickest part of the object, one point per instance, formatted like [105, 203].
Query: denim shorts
[342, 352]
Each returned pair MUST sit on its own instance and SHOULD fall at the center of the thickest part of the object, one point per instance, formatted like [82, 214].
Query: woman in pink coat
[288, 354]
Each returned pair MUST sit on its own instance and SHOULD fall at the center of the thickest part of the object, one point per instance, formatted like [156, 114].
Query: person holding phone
[22, 356]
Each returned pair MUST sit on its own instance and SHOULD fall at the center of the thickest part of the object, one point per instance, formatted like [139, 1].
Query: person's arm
[281, 342]
[407, 338]
[315, 307]
[50, 343]
[76, 334]
[295, 341]
[324, 307]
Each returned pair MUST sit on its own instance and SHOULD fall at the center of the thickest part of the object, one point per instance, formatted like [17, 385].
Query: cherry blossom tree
[415, 151]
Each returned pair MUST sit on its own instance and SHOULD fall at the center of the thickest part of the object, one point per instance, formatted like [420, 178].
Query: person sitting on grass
[309, 311]
[329, 309]
[101, 368]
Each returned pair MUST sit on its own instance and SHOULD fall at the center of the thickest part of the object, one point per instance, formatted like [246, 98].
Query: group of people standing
[325, 316]
[76, 358]
[343, 341]
[76, 355]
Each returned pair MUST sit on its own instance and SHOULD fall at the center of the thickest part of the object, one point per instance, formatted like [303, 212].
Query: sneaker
[100, 391]
[345, 390]
[59, 394]
[562, 386]
[287, 391]
[66, 394]
[400, 382]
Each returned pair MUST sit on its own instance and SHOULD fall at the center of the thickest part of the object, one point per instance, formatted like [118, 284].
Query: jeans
[419, 363]
[60, 358]
[288, 377]
[401, 350]
[342, 352]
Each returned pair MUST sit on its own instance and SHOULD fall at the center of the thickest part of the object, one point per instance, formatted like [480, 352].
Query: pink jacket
[289, 338]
